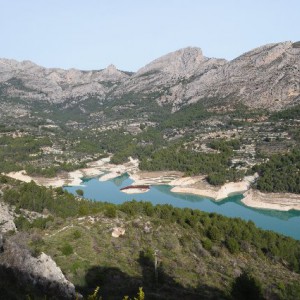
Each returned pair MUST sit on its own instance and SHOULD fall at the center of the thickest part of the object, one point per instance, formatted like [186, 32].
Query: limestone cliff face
[168, 76]
[181, 63]
[267, 77]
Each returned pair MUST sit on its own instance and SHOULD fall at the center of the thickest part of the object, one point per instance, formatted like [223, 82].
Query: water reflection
[118, 181]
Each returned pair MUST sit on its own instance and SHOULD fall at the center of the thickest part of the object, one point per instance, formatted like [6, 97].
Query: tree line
[281, 173]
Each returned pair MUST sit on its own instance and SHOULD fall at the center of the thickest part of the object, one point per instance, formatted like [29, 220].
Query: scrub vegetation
[179, 252]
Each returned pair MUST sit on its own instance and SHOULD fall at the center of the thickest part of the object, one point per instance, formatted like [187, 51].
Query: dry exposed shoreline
[188, 185]
[277, 201]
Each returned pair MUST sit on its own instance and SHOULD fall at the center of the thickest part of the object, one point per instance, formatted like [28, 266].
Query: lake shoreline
[275, 201]
[195, 185]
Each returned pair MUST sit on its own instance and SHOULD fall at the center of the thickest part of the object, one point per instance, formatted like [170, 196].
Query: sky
[91, 34]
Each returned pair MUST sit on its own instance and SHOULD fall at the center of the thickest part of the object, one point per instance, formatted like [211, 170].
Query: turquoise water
[287, 223]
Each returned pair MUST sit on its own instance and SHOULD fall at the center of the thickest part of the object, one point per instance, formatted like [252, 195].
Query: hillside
[215, 115]
[222, 120]
[172, 253]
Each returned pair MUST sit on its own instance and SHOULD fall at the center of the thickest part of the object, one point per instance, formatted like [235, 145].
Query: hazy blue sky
[91, 34]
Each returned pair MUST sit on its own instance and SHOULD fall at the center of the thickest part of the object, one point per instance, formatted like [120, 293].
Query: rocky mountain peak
[266, 77]
[181, 62]
[5, 63]
[14, 65]
[111, 68]
[112, 73]
[28, 64]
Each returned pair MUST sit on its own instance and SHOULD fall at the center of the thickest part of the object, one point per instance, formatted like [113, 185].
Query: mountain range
[267, 77]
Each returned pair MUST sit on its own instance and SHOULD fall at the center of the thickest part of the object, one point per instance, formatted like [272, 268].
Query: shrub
[67, 249]
[36, 245]
[232, 245]
[3, 179]
[214, 234]
[41, 223]
[77, 234]
[22, 223]
[110, 212]
[207, 244]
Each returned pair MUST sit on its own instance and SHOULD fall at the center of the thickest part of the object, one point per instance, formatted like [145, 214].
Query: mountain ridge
[266, 77]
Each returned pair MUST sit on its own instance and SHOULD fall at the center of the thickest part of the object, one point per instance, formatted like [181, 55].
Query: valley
[200, 126]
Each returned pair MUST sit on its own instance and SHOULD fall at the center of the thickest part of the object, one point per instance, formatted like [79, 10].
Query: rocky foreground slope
[266, 77]
[39, 274]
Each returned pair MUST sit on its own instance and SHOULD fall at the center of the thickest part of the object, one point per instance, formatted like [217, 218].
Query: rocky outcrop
[267, 77]
[6, 218]
[117, 232]
[167, 77]
[182, 63]
[38, 276]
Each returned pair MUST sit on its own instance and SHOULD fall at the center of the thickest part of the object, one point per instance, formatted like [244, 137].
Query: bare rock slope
[267, 77]
[27, 273]
[30, 81]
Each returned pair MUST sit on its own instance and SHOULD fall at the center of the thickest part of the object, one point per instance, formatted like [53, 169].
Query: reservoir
[284, 222]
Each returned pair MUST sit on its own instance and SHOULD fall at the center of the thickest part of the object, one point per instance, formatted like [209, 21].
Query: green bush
[41, 223]
[214, 234]
[110, 212]
[77, 234]
[216, 178]
[22, 223]
[36, 245]
[207, 244]
[3, 179]
[232, 245]
[67, 249]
